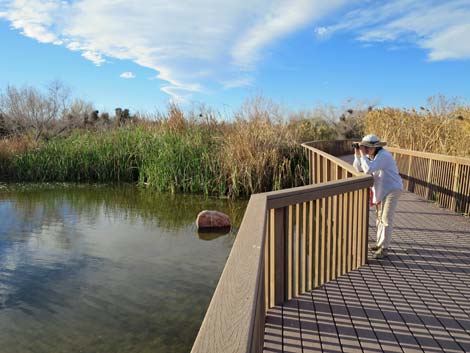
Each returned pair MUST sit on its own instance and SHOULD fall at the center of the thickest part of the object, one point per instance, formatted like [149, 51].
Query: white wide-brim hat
[372, 141]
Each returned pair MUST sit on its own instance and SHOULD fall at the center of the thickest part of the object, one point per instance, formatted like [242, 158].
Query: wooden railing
[289, 242]
[323, 164]
[440, 178]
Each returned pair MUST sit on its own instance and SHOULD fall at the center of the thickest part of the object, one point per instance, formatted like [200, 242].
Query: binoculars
[355, 145]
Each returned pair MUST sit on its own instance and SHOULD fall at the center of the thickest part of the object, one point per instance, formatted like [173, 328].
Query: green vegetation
[255, 150]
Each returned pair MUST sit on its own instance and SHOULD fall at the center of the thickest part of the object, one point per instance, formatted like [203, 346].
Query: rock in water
[208, 219]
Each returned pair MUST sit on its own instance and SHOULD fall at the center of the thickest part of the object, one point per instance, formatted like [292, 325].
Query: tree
[41, 114]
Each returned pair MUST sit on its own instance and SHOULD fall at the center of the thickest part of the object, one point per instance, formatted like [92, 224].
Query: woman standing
[371, 158]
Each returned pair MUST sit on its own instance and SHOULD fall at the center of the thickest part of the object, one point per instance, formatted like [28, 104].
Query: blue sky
[141, 54]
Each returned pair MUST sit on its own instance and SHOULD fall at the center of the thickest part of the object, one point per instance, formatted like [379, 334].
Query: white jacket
[384, 170]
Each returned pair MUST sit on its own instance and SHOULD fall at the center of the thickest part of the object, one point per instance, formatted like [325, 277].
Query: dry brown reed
[427, 130]
[16, 144]
[260, 153]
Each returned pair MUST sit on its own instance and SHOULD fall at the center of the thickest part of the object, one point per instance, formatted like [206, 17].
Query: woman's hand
[357, 152]
[362, 150]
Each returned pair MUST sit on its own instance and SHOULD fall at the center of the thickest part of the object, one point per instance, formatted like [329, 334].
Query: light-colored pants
[385, 212]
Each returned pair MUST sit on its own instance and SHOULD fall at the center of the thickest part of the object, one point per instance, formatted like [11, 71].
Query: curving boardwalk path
[417, 300]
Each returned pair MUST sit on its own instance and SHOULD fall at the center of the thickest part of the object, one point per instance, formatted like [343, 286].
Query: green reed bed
[192, 160]
[182, 162]
[83, 156]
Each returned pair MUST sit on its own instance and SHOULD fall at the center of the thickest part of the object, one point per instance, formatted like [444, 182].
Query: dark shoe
[374, 247]
[380, 253]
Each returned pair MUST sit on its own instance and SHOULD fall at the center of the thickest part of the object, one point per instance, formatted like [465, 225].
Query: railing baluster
[279, 234]
[355, 229]
[361, 225]
[349, 250]
[316, 257]
[366, 223]
[310, 244]
[297, 250]
[344, 261]
[340, 236]
[267, 272]
[289, 253]
[455, 188]
[272, 257]
[328, 240]
[323, 241]
[428, 179]
[319, 169]
[410, 159]
[334, 233]
[303, 259]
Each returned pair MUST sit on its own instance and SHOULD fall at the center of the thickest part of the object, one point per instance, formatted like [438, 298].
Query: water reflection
[211, 234]
[105, 268]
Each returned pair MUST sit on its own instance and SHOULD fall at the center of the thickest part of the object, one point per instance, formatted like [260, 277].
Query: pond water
[90, 268]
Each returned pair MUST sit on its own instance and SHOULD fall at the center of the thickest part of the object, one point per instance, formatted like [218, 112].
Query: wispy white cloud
[452, 43]
[127, 74]
[185, 41]
[441, 27]
[278, 21]
[33, 18]
[238, 82]
[94, 57]
[321, 32]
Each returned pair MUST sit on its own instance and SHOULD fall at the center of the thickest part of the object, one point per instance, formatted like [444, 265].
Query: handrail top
[429, 155]
[286, 197]
[337, 160]
[320, 141]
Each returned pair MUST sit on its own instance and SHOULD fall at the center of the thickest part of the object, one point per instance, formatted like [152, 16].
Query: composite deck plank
[342, 319]
[273, 331]
[292, 332]
[311, 342]
[330, 341]
[417, 300]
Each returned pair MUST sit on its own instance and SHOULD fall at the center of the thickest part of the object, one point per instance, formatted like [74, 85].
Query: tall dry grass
[428, 130]
[260, 151]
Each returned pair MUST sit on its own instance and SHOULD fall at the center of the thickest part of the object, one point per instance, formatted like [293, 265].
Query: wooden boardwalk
[417, 300]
